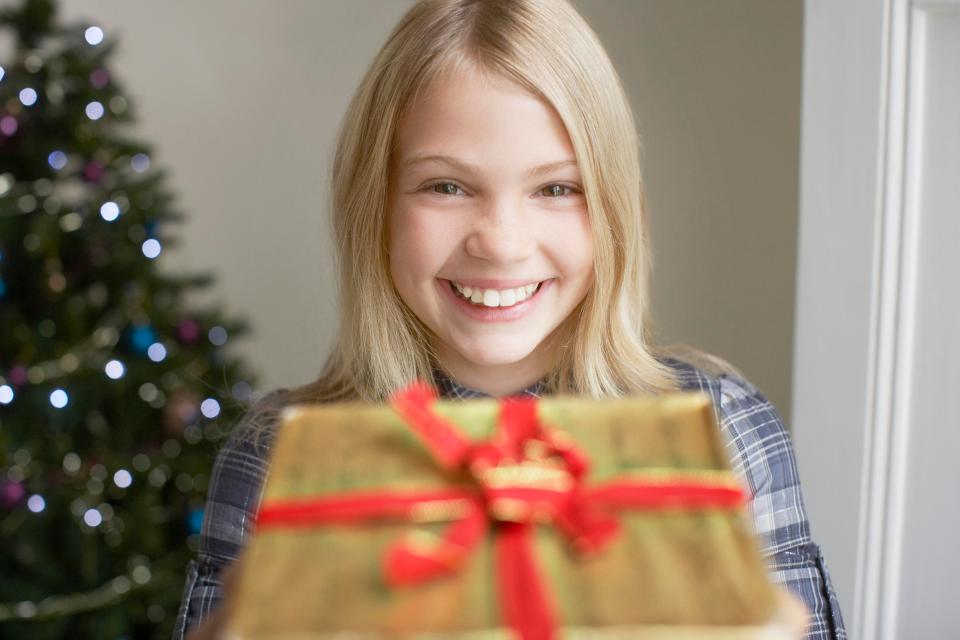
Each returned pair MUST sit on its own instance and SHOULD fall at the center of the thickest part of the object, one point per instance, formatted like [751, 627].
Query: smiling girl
[491, 236]
[489, 239]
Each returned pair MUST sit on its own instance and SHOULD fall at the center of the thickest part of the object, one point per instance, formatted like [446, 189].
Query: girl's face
[489, 236]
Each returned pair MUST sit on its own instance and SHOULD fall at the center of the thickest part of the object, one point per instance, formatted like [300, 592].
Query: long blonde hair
[603, 349]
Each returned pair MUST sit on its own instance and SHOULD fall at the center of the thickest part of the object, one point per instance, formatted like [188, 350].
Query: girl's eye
[558, 190]
[444, 188]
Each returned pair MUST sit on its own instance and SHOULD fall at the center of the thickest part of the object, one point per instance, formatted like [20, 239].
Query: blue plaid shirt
[760, 452]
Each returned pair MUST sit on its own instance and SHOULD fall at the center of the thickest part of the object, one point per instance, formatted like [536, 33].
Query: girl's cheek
[435, 222]
[422, 237]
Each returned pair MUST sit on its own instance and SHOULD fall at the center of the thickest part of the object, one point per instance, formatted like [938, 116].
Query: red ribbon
[525, 474]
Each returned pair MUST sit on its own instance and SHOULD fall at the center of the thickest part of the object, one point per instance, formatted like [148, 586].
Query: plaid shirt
[757, 442]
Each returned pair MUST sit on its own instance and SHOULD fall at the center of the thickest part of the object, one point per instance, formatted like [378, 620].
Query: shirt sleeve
[239, 472]
[762, 455]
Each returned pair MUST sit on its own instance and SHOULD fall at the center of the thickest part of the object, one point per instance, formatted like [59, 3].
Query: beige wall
[241, 101]
[715, 86]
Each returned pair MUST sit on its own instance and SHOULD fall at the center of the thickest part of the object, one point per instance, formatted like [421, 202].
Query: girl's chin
[494, 352]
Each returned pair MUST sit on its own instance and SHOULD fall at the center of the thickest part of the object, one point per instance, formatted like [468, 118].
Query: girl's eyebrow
[468, 167]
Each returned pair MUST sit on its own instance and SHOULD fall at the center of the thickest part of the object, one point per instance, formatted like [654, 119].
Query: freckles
[406, 225]
[569, 233]
[421, 240]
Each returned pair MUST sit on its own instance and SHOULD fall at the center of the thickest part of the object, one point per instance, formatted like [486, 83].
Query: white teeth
[495, 298]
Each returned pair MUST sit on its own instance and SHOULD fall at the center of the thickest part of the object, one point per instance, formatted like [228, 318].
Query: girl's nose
[501, 234]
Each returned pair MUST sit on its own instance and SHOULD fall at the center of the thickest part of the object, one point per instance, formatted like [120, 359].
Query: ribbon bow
[525, 474]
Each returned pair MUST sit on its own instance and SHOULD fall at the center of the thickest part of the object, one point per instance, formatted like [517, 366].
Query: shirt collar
[450, 388]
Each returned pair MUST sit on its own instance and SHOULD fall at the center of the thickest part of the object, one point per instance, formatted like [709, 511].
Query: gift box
[559, 517]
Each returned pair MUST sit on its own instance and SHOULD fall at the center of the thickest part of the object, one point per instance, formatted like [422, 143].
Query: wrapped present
[520, 517]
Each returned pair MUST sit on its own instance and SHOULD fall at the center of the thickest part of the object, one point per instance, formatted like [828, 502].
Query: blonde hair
[603, 349]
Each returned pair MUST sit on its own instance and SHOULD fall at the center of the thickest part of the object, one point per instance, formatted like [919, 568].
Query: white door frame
[856, 289]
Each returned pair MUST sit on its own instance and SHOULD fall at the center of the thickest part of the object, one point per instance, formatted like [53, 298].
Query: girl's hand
[212, 628]
[794, 613]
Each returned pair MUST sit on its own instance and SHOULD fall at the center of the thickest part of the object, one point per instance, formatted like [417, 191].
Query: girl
[491, 236]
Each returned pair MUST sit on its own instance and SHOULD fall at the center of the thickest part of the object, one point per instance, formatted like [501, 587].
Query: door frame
[856, 284]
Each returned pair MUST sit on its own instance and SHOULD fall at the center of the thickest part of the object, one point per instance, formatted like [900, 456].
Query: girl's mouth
[492, 298]
[492, 305]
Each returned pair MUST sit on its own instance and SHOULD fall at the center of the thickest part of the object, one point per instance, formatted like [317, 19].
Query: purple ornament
[188, 331]
[99, 78]
[8, 125]
[11, 493]
[18, 375]
[93, 171]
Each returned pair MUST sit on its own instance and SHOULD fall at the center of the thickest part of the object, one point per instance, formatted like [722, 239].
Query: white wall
[242, 100]
[842, 116]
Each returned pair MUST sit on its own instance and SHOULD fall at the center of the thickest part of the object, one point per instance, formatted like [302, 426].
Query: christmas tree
[113, 394]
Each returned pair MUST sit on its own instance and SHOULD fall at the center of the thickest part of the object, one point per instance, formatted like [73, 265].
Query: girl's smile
[499, 304]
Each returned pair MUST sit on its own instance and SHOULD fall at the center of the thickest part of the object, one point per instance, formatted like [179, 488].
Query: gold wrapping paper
[671, 573]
